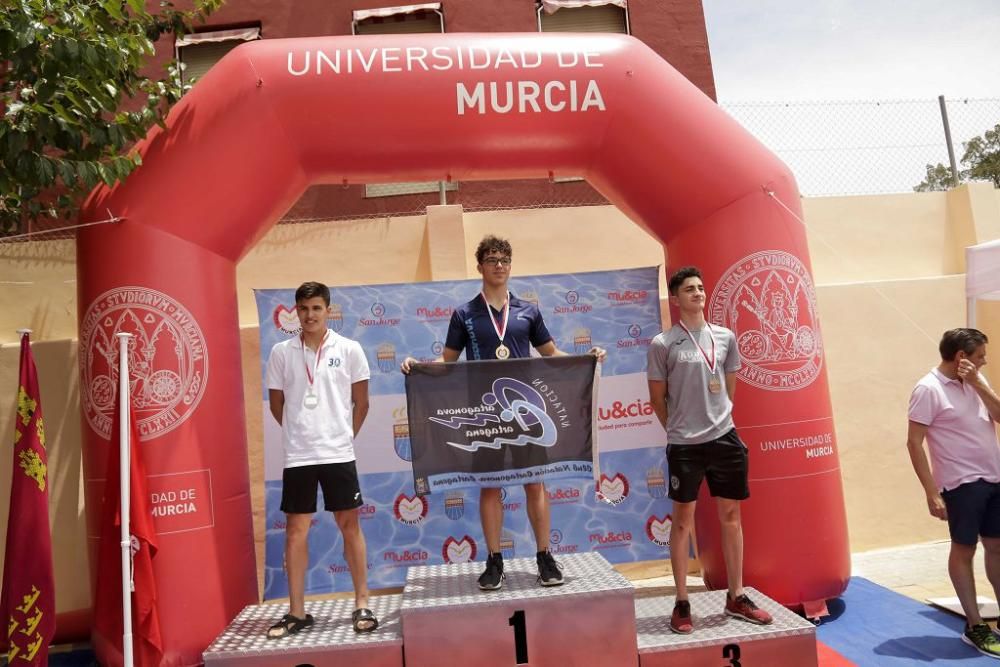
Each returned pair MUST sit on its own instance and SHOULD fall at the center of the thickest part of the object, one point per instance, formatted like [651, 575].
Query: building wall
[886, 291]
[675, 29]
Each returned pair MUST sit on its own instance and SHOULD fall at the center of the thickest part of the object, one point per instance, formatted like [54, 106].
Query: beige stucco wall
[888, 271]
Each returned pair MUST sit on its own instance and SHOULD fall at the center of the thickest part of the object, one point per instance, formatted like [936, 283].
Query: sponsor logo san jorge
[635, 338]
[378, 318]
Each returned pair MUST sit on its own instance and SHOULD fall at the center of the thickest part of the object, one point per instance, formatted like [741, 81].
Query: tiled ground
[919, 571]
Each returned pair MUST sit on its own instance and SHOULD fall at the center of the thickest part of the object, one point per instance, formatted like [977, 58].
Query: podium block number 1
[520, 637]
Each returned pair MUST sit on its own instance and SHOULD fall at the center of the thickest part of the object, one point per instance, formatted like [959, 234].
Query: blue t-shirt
[471, 330]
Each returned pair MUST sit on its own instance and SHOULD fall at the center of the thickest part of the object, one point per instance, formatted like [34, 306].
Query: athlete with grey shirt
[687, 368]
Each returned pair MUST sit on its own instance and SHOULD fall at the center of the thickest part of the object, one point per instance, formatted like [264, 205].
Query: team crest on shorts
[401, 435]
[335, 320]
[768, 300]
[454, 505]
[385, 355]
[655, 483]
[507, 546]
[167, 356]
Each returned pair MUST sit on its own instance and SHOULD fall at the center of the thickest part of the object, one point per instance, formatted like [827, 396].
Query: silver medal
[311, 401]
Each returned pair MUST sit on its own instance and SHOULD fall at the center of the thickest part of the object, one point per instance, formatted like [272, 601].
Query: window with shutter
[396, 21]
[199, 51]
[584, 18]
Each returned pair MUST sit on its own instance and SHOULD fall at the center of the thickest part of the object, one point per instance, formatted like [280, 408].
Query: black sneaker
[982, 639]
[492, 577]
[549, 571]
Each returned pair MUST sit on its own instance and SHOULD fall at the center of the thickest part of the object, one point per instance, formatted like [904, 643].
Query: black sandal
[364, 616]
[289, 625]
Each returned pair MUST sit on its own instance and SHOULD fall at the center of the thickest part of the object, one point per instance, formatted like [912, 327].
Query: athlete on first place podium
[498, 325]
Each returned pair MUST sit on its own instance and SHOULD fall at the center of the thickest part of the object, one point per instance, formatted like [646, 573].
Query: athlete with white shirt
[318, 391]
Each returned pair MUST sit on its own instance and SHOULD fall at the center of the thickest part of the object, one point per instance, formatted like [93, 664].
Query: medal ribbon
[704, 355]
[500, 329]
[315, 370]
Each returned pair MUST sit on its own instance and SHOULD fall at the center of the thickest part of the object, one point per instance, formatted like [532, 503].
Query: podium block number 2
[520, 637]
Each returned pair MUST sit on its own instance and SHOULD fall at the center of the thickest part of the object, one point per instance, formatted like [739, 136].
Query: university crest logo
[168, 360]
[769, 301]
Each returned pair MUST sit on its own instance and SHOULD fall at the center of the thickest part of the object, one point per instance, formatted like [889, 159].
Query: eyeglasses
[497, 261]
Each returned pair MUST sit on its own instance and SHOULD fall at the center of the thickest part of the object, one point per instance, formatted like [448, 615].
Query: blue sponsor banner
[617, 310]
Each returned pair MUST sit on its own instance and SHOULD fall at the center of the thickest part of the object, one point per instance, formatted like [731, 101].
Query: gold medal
[714, 385]
[502, 351]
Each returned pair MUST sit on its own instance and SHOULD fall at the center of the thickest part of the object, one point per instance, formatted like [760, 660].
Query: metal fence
[832, 147]
[864, 147]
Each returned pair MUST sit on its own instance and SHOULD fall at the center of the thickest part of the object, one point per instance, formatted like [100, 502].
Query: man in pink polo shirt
[955, 410]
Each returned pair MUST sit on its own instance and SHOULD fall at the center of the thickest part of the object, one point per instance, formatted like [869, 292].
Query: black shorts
[973, 511]
[723, 461]
[509, 457]
[339, 482]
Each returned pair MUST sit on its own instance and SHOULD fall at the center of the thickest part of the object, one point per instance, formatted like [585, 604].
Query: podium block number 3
[731, 652]
[520, 637]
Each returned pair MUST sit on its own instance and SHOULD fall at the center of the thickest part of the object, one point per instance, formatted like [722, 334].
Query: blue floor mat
[874, 626]
[81, 657]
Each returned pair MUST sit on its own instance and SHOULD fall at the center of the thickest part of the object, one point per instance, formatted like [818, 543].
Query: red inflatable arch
[276, 116]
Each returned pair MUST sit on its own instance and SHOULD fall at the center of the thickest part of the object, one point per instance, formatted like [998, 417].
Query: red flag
[108, 627]
[28, 600]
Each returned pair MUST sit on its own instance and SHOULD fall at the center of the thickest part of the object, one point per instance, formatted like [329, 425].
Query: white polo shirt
[961, 436]
[324, 434]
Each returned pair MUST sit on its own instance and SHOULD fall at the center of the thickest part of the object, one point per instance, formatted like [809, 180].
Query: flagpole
[125, 430]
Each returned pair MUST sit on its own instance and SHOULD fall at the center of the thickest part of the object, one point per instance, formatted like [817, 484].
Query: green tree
[75, 95]
[938, 178]
[981, 161]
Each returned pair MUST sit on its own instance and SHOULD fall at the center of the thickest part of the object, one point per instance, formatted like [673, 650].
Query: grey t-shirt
[694, 414]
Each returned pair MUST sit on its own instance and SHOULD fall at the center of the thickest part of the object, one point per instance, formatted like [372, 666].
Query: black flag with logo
[499, 423]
